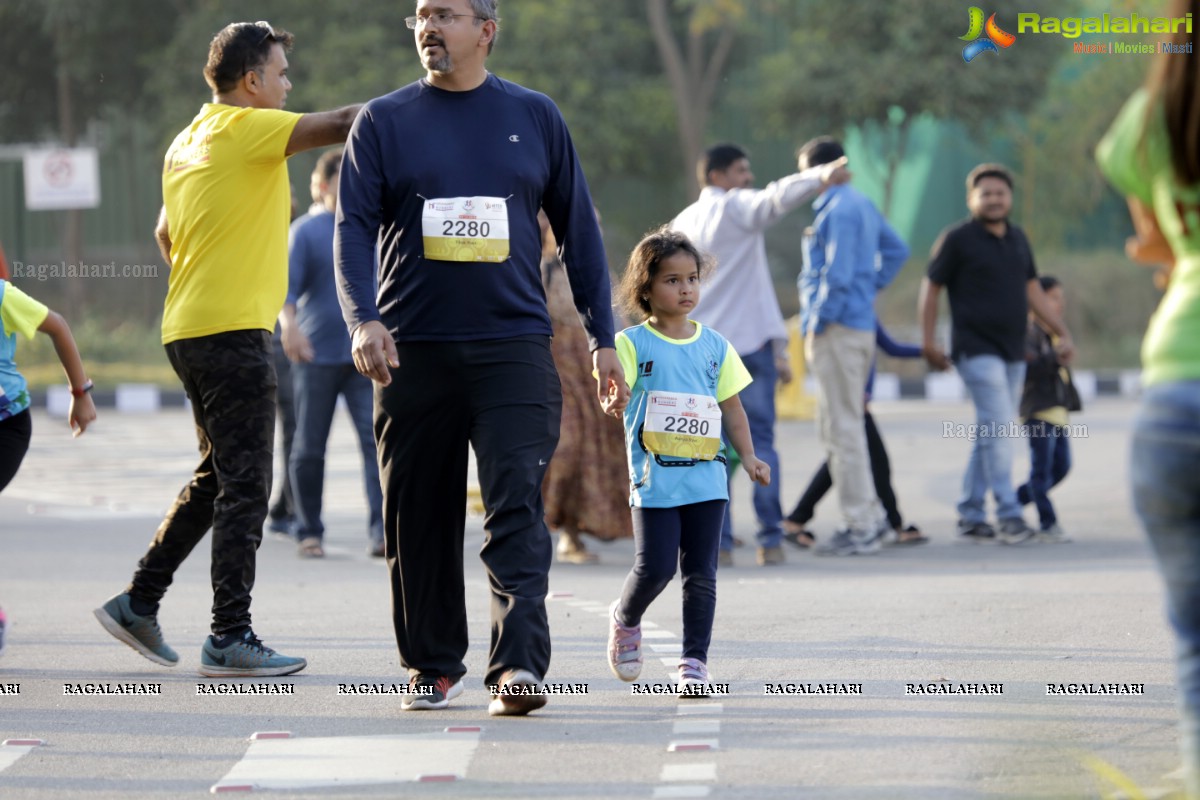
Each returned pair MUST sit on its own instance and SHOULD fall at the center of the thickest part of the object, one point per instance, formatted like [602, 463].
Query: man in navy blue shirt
[445, 177]
[318, 346]
[849, 254]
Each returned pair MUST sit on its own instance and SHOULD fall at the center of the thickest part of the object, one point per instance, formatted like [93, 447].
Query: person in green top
[1152, 156]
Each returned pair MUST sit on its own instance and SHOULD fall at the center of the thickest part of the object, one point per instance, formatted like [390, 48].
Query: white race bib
[682, 425]
[465, 229]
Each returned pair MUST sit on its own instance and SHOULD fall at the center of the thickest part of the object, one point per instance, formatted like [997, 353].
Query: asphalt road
[74, 522]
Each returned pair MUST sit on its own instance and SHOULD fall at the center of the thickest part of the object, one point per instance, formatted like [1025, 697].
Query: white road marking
[303, 764]
[686, 773]
[696, 727]
[9, 754]
[698, 709]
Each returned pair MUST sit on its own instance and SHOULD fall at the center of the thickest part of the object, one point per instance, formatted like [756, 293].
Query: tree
[99, 58]
[694, 68]
[859, 61]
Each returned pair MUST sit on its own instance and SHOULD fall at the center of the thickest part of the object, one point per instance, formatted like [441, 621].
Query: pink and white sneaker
[693, 678]
[624, 647]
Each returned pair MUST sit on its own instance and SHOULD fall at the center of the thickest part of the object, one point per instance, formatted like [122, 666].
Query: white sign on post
[57, 178]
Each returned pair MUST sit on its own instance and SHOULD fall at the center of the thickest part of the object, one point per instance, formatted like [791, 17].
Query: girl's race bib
[682, 425]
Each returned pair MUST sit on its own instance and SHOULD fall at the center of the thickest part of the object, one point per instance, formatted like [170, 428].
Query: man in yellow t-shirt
[223, 233]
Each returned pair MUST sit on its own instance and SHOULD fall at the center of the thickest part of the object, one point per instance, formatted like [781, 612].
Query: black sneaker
[976, 532]
[431, 692]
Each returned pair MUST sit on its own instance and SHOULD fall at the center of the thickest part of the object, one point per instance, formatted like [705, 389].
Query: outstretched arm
[321, 129]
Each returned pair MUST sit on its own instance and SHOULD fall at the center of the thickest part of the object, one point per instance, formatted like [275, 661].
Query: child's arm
[83, 410]
[737, 429]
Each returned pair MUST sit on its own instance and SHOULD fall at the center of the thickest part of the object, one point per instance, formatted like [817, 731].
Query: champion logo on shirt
[514, 138]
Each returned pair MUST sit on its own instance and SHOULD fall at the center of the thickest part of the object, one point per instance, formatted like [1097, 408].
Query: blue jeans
[317, 388]
[1049, 463]
[758, 399]
[1166, 494]
[995, 387]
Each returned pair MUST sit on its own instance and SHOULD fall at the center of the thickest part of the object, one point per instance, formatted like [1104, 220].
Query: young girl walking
[684, 380]
[20, 313]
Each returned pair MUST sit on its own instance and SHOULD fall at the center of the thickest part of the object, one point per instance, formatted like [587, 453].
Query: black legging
[15, 433]
[881, 471]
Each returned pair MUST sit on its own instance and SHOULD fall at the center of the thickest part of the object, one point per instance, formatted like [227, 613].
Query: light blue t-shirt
[19, 313]
[704, 365]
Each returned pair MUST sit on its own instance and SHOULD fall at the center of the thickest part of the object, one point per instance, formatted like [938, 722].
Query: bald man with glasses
[446, 176]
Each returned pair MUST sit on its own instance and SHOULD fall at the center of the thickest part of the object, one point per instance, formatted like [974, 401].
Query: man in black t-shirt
[987, 267]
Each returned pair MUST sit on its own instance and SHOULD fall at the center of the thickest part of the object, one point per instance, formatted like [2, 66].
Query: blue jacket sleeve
[893, 348]
[840, 233]
[568, 205]
[893, 252]
[359, 213]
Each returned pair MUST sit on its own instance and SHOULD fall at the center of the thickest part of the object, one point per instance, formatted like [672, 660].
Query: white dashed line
[696, 727]
[301, 764]
[688, 773]
[13, 749]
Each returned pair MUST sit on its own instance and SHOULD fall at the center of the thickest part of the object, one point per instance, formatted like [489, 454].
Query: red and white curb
[277, 760]
[12, 749]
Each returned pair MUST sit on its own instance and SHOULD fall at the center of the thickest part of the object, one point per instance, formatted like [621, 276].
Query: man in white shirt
[729, 220]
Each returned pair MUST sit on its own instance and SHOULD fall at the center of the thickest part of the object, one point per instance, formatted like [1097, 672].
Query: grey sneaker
[245, 658]
[1054, 534]
[976, 532]
[140, 633]
[518, 693]
[1014, 531]
[849, 543]
[430, 692]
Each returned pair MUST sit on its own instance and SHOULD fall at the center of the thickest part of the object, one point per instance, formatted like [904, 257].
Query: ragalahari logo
[994, 39]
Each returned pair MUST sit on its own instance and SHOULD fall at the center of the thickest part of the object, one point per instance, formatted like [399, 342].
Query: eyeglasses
[441, 19]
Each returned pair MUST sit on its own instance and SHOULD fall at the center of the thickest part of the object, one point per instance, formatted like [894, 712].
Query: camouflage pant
[230, 379]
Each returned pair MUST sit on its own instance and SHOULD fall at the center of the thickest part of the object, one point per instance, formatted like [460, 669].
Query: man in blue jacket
[849, 254]
[445, 176]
